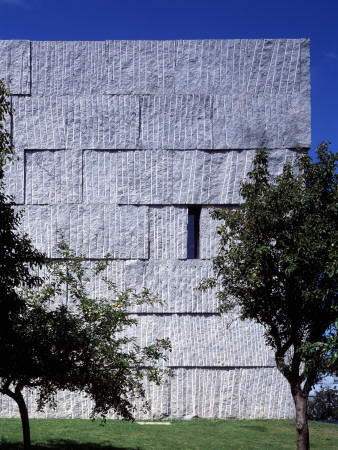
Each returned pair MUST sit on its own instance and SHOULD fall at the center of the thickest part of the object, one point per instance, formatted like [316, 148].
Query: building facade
[124, 145]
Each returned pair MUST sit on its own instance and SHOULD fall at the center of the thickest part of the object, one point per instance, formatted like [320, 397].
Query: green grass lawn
[80, 434]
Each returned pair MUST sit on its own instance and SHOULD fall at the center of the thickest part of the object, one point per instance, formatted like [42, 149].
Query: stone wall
[115, 140]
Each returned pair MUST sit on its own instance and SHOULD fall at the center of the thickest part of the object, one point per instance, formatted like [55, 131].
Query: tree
[277, 265]
[17, 258]
[324, 405]
[78, 343]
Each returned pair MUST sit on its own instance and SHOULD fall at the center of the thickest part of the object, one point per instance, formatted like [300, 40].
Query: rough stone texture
[37, 223]
[230, 393]
[115, 140]
[168, 232]
[241, 65]
[100, 176]
[102, 121]
[214, 177]
[245, 393]
[15, 178]
[94, 231]
[176, 121]
[206, 340]
[141, 67]
[128, 177]
[38, 123]
[261, 120]
[68, 68]
[15, 66]
[204, 177]
[172, 281]
[53, 176]
[209, 239]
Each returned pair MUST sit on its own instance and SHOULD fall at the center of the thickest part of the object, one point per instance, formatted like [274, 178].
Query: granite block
[70, 405]
[14, 177]
[240, 66]
[77, 405]
[102, 122]
[191, 176]
[135, 275]
[216, 340]
[53, 176]
[37, 223]
[252, 121]
[96, 230]
[214, 177]
[100, 176]
[69, 68]
[39, 123]
[176, 122]
[159, 399]
[168, 232]
[193, 392]
[209, 177]
[115, 272]
[128, 177]
[305, 77]
[230, 393]
[180, 177]
[140, 67]
[173, 282]
[15, 67]
[209, 240]
[144, 177]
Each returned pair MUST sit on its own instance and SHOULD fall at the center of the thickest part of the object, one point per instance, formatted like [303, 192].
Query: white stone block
[141, 67]
[102, 122]
[69, 68]
[37, 223]
[191, 176]
[95, 231]
[248, 393]
[14, 177]
[209, 177]
[239, 66]
[305, 85]
[176, 122]
[230, 393]
[261, 120]
[168, 232]
[39, 123]
[53, 176]
[206, 340]
[174, 283]
[115, 272]
[209, 239]
[144, 177]
[128, 177]
[100, 176]
[15, 67]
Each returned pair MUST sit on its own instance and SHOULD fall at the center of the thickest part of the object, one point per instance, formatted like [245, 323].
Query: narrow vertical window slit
[193, 232]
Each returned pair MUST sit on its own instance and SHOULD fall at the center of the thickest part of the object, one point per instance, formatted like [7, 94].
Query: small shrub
[324, 405]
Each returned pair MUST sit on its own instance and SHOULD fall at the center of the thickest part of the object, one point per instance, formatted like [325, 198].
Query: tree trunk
[24, 419]
[300, 400]
[17, 396]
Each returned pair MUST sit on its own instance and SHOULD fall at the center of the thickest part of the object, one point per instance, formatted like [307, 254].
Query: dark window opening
[194, 213]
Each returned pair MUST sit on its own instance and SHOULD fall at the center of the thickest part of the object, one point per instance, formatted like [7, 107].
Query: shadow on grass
[258, 428]
[65, 444]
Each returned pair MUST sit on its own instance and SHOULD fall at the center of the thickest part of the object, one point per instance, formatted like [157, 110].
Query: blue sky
[195, 19]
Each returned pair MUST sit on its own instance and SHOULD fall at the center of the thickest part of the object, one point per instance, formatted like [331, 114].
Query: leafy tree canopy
[277, 265]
